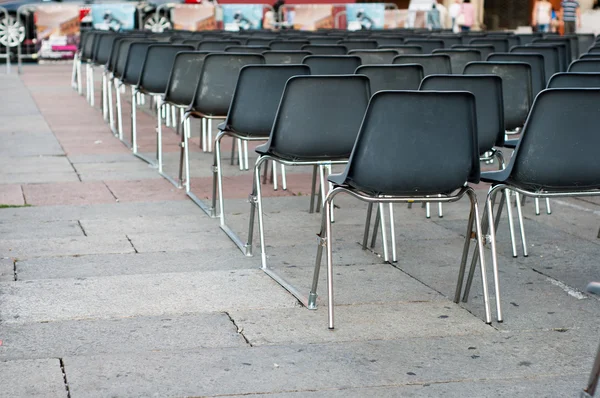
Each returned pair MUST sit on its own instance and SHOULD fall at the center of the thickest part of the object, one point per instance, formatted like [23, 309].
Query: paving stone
[32, 378]
[153, 224]
[11, 195]
[131, 264]
[67, 193]
[27, 248]
[84, 337]
[16, 144]
[315, 367]
[358, 323]
[18, 126]
[157, 189]
[139, 295]
[41, 230]
[6, 269]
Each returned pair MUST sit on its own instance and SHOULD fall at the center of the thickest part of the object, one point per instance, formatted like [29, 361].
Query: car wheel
[157, 23]
[12, 32]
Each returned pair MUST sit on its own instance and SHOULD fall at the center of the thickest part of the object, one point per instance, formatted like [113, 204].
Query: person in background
[466, 18]
[541, 17]
[454, 11]
[570, 13]
[443, 14]
[433, 18]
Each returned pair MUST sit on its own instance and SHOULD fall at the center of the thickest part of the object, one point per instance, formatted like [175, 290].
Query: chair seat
[511, 143]
[265, 149]
[337, 179]
[224, 127]
[497, 176]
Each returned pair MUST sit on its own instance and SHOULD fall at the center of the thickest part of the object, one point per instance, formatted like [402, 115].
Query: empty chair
[428, 45]
[393, 161]
[550, 54]
[392, 77]
[403, 49]
[217, 45]
[250, 117]
[326, 40]
[258, 42]
[449, 40]
[586, 40]
[590, 56]
[585, 65]
[389, 40]
[358, 44]
[287, 45]
[325, 49]
[377, 57]
[309, 131]
[536, 61]
[571, 49]
[484, 49]
[247, 49]
[460, 58]
[563, 53]
[556, 157]
[528, 38]
[438, 64]
[594, 50]
[516, 88]
[500, 44]
[193, 42]
[575, 80]
[285, 57]
[332, 64]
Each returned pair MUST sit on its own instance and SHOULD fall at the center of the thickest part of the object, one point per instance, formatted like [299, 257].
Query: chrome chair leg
[111, 114]
[548, 209]
[313, 189]
[245, 143]
[384, 241]
[133, 121]
[537, 206]
[521, 225]
[367, 226]
[393, 233]
[119, 110]
[283, 176]
[274, 175]
[511, 223]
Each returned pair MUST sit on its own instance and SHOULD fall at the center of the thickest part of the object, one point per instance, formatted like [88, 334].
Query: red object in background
[83, 12]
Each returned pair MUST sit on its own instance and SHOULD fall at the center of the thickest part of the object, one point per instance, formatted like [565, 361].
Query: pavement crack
[131, 243]
[14, 269]
[240, 331]
[74, 169]
[64, 373]
[82, 229]
[111, 192]
[23, 193]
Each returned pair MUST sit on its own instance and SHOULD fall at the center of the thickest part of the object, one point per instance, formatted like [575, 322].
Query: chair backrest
[184, 77]
[287, 45]
[388, 40]
[134, 62]
[308, 127]
[438, 64]
[563, 53]
[516, 88]
[358, 44]
[255, 41]
[285, 57]
[449, 40]
[500, 44]
[558, 148]
[585, 65]
[594, 50]
[570, 52]
[87, 48]
[217, 45]
[575, 80]
[332, 64]
[538, 72]
[325, 49]
[122, 54]
[103, 49]
[460, 58]
[374, 57]
[403, 49]
[331, 40]
[590, 56]
[550, 54]
[392, 77]
[247, 49]
[257, 95]
[489, 104]
[428, 45]
[484, 49]
[528, 38]
[415, 143]
[218, 79]
[157, 67]
[585, 41]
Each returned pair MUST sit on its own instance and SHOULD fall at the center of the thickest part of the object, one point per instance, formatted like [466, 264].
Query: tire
[12, 32]
[157, 23]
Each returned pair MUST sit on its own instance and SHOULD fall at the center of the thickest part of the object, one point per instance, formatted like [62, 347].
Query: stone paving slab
[139, 295]
[6, 269]
[15, 144]
[153, 224]
[85, 266]
[11, 195]
[28, 248]
[317, 366]
[40, 230]
[32, 378]
[119, 335]
[67, 193]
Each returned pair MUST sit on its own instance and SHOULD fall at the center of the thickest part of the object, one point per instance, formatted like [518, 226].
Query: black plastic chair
[428, 45]
[247, 49]
[325, 49]
[358, 44]
[285, 57]
[287, 45]
[217, 45]
[393, 161]
[516, 88]
[563, 53]
[460, 58]
[392, 77]
[323, 139]
[590, 56]
[449, 40]
[438, 64]
[325, 40]
[585, 65]
[332, 64]
[556, 156]
[484, 49]
[536, 61]
[403, 49]
[250, 118]
[374, 57]
[528, 38]
[501, 45]
[550, 54]
[586, 40]
[575, 80]
[569, 42]
[386, 41]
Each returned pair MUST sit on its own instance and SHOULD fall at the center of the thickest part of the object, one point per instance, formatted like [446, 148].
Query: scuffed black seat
[437, 64]
[575, 80]
[332, 64]
[392, 77]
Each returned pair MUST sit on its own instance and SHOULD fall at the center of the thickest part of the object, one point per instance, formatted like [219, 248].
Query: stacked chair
[372, 103]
